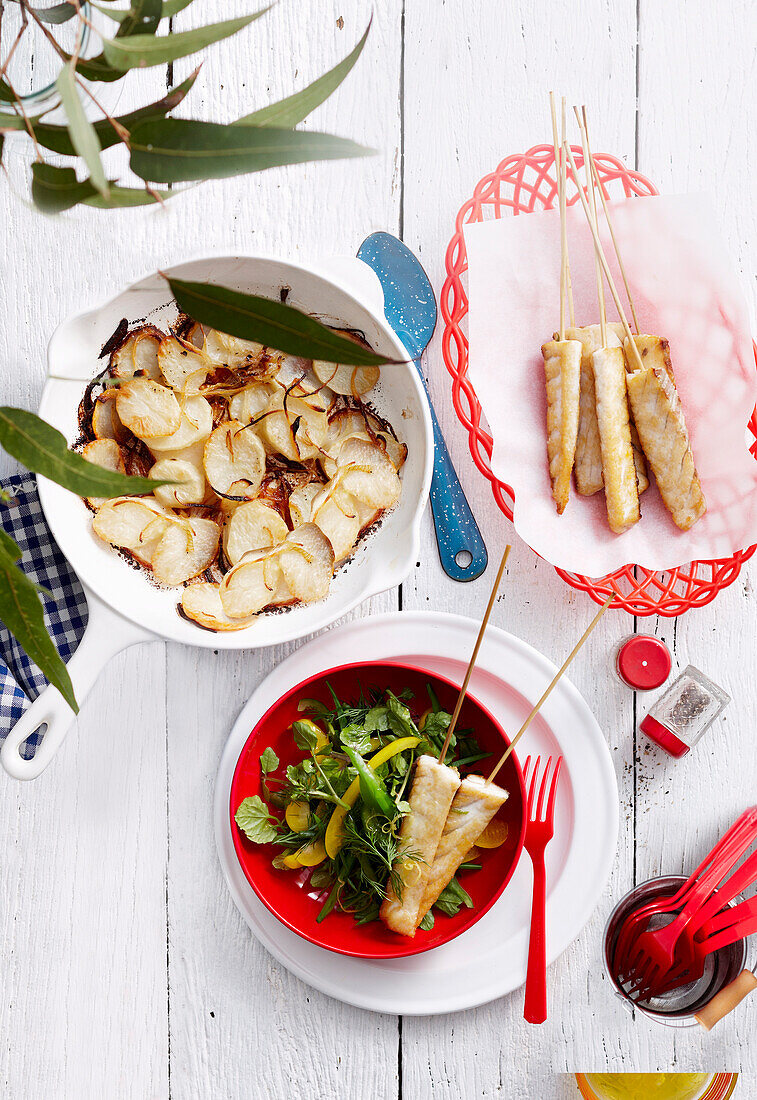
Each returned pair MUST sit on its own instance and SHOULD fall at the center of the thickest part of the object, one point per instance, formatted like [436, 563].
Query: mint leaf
[399, 717]
[269, 761]
[427, 923]
[305, 735]
[377, 720]
[452, 897]
[356, 737]
[255, 821]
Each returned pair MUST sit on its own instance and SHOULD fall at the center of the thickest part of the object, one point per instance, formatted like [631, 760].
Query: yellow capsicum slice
[335, 829]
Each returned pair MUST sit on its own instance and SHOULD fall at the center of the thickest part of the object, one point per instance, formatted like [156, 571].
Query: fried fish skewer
[434, 787]
[618, 467]
[474, 805]
[662, 428]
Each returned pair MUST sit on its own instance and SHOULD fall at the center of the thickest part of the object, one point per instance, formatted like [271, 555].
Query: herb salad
[338, 811]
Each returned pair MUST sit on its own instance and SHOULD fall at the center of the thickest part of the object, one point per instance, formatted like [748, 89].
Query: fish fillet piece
[654, 352]
[639, 461]
[588, 466]
[621, 490]
[665, 438]
[434, 787]
[562, 368]
[473, 807]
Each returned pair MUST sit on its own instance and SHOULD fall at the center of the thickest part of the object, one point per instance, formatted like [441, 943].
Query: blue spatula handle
[457, 532]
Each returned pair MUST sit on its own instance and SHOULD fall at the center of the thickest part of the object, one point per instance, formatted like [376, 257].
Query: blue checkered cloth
[65, 608]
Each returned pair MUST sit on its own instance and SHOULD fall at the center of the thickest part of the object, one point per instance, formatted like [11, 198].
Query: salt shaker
[642, 662]
[685, 712]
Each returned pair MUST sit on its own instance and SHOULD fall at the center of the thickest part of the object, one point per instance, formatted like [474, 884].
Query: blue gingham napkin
[65, 608]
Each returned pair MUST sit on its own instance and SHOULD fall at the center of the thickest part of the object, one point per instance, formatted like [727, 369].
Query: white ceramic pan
[124, 606]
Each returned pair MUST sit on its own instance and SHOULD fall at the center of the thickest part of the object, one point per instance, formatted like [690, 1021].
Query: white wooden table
[125, 970]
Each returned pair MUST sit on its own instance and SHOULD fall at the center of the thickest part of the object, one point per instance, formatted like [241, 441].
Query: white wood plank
[484, 83]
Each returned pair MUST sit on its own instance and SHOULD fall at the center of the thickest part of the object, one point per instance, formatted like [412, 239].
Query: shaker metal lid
[644, 662]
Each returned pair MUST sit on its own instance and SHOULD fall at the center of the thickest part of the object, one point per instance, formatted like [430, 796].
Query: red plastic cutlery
[539, 832]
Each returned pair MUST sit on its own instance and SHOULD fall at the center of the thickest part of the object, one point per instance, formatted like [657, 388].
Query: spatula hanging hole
[463, 559]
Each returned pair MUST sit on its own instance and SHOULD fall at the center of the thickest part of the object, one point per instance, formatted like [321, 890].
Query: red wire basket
[520, 184]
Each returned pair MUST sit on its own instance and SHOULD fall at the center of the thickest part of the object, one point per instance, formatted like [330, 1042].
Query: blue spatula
[410, 308]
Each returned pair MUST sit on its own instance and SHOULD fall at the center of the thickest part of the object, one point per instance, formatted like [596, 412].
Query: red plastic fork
[652, 954]
[539, 832]
[743, 826]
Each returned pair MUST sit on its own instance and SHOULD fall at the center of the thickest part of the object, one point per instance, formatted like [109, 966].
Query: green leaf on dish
[267, 322]
[43, 450]
[22, 614]
[269, 761]
[255, 821]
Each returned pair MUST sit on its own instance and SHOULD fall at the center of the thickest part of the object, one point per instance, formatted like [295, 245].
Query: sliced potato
[148, 409]
[105, 421]
[296, 432]
[252, 526]
[201, 602]
[149, 539]
[338, 518]
[105, 453]
[367, 473]
[187, 548]
[182, 364]
[189, 482]
[306, 560]
[250, 402]
[234, 460]
[138, 355]
[346, 379]
[195, 427]
[230, 351]
[301, 502]
[342, 424]
[122, 520]
[250, 586]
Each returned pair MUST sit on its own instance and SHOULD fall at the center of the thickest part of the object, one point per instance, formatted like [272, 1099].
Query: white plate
[579, 858]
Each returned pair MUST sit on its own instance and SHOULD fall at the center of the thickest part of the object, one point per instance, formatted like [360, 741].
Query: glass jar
[684, 713]
[642, 662]
[656, 1086]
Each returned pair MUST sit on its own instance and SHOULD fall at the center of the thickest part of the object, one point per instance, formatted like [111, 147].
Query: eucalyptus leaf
[268, 322]
[22, 614]
[43, 450]
[58, 138]
[124, 197]
[95, 68]
[174, 150]
[142, 17]
[58, 13]
[169, 9]
[144, 50]
[56, 189]
[83, 136]
[288, 112]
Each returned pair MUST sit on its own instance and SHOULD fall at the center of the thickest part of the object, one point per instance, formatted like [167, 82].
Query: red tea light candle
[642, 662]
[684, 713]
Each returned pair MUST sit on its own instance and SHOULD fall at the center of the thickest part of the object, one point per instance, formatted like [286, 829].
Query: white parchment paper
[684, 288]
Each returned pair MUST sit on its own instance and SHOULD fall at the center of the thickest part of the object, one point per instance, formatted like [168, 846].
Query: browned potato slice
[250, 586]
[138, 354]
[296, 432]
[234, 460]
[123, 520]
[337, 517]
[105, 422]
[301, 502]
[230, 351]
[181, 363]
[368, 474]
[187, 548]
[189, 487]
[250, 402]
[148, 409]
[195, 427]
[346, 379]
[105, 453]
[306, 559]
[252, 526]
[201, 602]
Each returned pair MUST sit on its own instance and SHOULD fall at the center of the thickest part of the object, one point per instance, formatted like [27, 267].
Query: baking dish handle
[106, 635]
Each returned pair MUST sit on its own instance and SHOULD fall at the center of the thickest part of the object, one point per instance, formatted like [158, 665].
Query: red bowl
[287, 893]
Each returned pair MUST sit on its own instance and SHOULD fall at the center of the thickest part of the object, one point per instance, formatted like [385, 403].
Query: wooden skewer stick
[606, 209]
[568, 281]
[537, 706]
[593, 207]
[559, 171]
[605, 268]
[474, 655]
